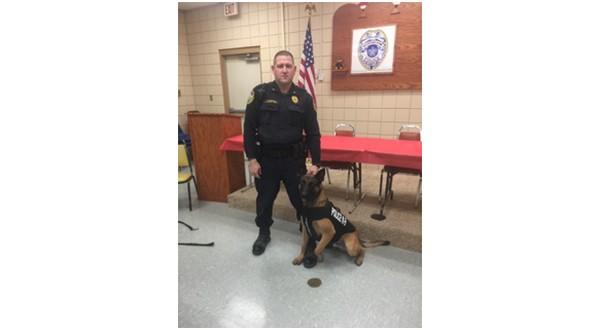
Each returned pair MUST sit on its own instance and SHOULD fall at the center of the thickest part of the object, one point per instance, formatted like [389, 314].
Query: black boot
[264, 237]
[310, 258]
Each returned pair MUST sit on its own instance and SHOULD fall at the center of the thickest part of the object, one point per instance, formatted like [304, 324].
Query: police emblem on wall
[373, 50]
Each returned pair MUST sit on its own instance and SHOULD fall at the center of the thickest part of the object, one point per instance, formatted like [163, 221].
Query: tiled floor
[226, 286]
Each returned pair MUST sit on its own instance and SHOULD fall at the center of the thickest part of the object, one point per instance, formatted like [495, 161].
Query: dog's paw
[298, 260]
[320, 258]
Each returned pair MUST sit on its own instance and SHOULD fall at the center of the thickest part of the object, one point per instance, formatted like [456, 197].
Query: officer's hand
[254, 168]
[312, 170]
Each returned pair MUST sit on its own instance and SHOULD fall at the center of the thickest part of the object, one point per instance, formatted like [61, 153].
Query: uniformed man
[280, 126]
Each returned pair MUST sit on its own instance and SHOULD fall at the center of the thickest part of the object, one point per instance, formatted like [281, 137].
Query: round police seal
[372, 48]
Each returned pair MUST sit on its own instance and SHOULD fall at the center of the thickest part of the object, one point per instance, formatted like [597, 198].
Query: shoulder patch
[251, 98]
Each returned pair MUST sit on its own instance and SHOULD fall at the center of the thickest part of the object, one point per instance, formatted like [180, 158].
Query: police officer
[280, 126]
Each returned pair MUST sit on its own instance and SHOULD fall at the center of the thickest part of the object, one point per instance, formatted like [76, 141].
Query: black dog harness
[341, 224]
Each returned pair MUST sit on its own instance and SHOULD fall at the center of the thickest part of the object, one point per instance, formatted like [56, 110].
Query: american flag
[307, 68]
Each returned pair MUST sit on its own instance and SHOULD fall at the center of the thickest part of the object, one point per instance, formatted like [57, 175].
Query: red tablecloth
[234, 143]
[401, 153]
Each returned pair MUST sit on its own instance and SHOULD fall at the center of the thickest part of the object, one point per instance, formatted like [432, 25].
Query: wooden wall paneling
[219, 173]
[407, 52]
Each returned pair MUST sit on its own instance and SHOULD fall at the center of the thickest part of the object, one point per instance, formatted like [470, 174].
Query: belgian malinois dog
[323, 222]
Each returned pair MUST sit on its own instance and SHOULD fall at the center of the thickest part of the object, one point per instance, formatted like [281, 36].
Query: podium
[219, 173]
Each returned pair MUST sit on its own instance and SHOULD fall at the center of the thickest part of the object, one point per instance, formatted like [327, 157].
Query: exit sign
[231, 9]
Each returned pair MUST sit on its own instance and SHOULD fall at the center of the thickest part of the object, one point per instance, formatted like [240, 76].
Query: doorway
[241, 72]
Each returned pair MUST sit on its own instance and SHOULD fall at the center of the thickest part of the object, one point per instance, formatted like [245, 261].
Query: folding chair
[186, 171]
[406, 132]
[343, 130]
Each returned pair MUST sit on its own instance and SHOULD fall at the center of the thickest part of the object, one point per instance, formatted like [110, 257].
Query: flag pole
[310, 7]
[308, 76]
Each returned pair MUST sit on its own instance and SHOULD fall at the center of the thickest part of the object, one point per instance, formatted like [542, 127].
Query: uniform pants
[274, 170]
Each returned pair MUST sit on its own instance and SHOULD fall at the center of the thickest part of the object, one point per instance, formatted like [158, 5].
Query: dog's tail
[369, 244]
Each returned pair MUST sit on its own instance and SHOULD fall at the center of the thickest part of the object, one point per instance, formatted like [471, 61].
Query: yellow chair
[186, 171]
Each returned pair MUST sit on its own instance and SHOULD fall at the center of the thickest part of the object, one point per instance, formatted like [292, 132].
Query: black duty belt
[278, 153]
[281, 151]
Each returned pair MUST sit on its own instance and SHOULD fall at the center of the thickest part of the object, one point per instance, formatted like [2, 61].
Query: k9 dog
[323, 222]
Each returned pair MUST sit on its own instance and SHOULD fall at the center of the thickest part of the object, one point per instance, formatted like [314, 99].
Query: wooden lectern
[219, 173]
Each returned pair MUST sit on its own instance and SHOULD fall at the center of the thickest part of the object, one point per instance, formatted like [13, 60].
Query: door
[241, 73]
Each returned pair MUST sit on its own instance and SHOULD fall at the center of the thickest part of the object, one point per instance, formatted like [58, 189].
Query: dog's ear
[320, 174]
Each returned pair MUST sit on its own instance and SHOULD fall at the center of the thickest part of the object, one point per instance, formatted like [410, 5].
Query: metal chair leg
[379, 216]
[354, 181]
[189, 195]
[391, 179]
[327, 172]
[380, 182]
[347, 184]
[388, 187]
[418, 192]
[357, 193]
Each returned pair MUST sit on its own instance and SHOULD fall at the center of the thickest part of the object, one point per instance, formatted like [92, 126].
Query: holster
[299, 150]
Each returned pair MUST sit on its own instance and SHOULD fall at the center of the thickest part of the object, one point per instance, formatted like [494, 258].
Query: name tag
[338, 216]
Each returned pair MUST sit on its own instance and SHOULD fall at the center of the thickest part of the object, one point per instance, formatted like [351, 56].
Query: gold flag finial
[310, 7]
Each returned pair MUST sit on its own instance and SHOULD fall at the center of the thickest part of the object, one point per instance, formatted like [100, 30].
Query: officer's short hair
[284, 53]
